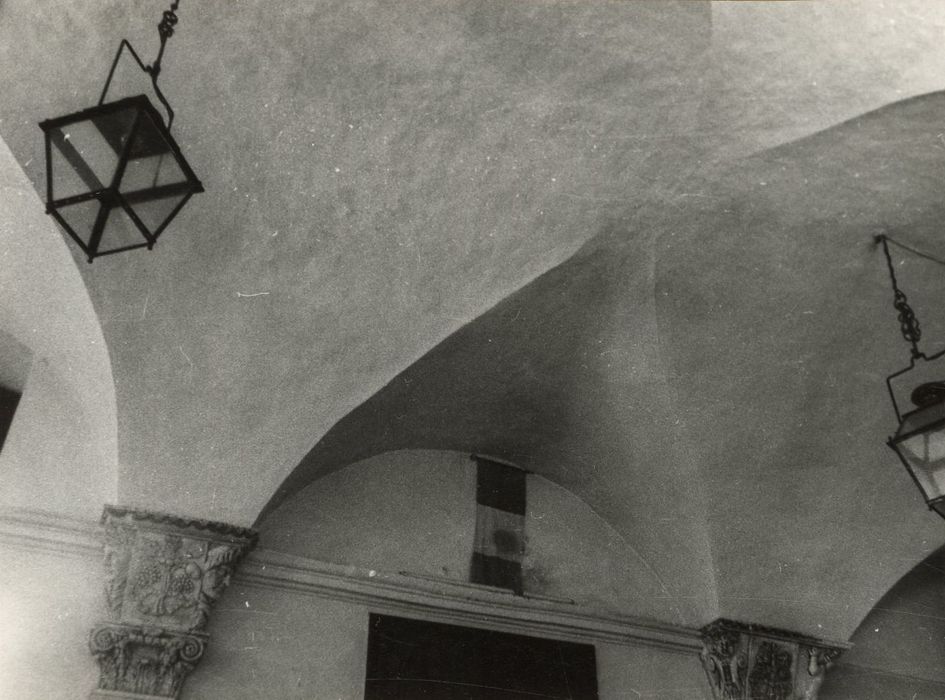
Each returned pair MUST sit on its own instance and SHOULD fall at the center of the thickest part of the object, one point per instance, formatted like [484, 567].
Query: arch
[65, 431]
[413, 511]
[898, 647]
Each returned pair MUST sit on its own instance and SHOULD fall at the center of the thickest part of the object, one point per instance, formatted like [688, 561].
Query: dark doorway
[414, 659]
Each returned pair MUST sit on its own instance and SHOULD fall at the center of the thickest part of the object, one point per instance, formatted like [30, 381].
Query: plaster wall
[47, 461]
[409, 511]
[267, 641]
[273, 644]
[413, 511]
[851, 683]
[48, 604]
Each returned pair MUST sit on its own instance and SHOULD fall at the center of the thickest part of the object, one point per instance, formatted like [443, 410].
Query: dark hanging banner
[499, 543]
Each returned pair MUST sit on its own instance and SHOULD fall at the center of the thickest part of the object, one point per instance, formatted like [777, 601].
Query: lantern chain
[165, 31]
[908, 323]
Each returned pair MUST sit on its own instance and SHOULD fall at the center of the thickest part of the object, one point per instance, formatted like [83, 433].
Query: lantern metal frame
[927, 386]
[937, 503]
[109, 195]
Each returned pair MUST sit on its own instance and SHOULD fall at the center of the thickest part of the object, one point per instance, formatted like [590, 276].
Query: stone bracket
[163, 575]
[752, 662]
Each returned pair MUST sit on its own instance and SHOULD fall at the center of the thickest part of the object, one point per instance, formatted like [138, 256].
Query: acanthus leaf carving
[142, 660]
[772, 674]
[753, 662]
[219, 566]
[168, 571]
[119, 541]
[725, 662]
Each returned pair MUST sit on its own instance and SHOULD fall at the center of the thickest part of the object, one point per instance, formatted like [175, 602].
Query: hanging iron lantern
[920, 439]
[115, 177]
[920, 443]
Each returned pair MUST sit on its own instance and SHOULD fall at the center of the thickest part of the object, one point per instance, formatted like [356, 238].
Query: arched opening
[413, 512]
[899, 646]
[61, 453]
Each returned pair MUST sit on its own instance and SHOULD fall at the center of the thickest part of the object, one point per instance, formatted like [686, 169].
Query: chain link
[168, 20]
[908, 323]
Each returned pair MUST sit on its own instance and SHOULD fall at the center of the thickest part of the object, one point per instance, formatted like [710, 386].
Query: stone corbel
[163, 575]
[751, 662]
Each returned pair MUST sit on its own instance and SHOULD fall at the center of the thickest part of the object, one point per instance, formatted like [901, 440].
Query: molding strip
[430, 598]
[50, 533]
[458, 602]
[875, 671]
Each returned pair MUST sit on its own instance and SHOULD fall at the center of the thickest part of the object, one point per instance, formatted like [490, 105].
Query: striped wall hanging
[499, 543]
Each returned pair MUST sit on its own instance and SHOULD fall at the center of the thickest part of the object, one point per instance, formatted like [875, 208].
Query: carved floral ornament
[751, 662]
[163, 575]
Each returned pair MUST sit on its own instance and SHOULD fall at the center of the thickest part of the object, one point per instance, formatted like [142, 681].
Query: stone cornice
[50, 533]
[773, 632]
[433, 598]
[193, 526]
[458, 602]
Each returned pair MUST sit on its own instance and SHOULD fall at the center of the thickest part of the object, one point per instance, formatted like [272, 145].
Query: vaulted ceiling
[625, 244]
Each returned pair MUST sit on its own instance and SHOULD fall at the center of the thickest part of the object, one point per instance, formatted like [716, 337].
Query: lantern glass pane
[65, 180]
[72, 174]
[81, 217]
[925, 453]
[151, 172]
[153, 183]
[154, 214]
[119, 231]
[115, 125]
[84, 157]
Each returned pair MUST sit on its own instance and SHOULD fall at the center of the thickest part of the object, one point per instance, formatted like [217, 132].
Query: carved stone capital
[144, 661]
[163, 575]
[752, 662]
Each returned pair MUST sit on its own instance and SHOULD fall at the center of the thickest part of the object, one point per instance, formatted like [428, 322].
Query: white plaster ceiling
[379, 175]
